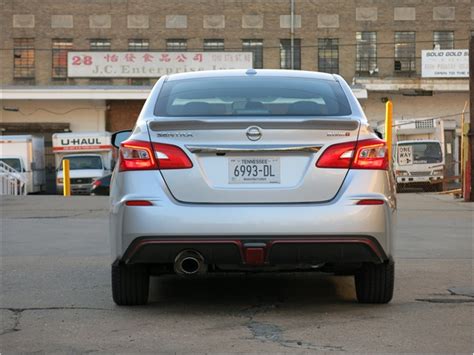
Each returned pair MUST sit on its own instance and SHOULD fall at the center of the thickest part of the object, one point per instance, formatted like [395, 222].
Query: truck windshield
[425, 152]
[12, 162]
[84, 162]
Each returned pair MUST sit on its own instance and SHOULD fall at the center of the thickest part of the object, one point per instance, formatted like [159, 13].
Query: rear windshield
[252, 96]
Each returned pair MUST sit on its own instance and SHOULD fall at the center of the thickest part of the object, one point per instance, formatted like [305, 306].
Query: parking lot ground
[55, 292]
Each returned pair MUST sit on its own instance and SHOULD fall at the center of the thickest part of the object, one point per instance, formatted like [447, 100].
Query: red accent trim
[269, 244]
[254, 256]
[370, 202]
[138, 203]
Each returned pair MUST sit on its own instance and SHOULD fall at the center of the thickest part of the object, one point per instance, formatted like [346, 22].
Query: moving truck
[90, 157]
[419, 163]
[25, 154]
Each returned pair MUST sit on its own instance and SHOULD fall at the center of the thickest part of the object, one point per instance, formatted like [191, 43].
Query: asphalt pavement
[55, 292]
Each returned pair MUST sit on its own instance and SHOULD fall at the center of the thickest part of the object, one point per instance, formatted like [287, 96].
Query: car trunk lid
[253, 160]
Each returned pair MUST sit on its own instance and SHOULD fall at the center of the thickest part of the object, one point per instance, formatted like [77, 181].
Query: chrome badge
[254, 133]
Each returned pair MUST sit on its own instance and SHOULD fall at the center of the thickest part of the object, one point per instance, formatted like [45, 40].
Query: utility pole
[292, 34]
[469, 172]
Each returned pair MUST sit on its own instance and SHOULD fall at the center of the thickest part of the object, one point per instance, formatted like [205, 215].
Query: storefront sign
[151, 64]
[452, 63]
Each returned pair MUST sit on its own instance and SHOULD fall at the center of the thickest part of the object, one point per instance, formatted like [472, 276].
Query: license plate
[254, 170]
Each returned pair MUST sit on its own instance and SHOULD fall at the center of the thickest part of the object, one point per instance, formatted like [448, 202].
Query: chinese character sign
[151, 64]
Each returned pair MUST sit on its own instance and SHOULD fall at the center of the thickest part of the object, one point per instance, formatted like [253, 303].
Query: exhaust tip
[189, 262]
[189, 265]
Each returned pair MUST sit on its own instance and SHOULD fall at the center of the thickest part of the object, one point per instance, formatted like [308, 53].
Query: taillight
[97, 183]
[171, 157]
[365, 154]
[136, 155]
[141, 155]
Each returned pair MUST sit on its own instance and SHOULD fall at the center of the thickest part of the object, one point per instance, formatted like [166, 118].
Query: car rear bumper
[339, 228]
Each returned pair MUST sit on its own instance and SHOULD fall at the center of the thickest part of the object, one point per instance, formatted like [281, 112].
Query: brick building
[376, 45]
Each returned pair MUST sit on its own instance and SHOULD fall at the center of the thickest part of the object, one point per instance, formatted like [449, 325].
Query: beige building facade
[375, 45]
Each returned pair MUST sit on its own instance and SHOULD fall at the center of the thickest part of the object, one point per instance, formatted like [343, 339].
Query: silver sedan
[251, 171]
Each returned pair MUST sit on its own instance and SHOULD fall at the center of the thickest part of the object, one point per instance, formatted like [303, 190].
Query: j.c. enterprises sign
[151, 64]
[452, 63]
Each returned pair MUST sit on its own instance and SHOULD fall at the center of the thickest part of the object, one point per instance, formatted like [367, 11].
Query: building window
[405, 50]
[24, 58]
[328, 55]
[366, 53]
[424, 124]
[285, 54]
[256, 47]
[137, 45]
[61, 47]
[443, 40]
[213, 45]
[100, 44]
[176, 45]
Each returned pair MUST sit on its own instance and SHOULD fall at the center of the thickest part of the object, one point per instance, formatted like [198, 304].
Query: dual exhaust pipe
[189, 262]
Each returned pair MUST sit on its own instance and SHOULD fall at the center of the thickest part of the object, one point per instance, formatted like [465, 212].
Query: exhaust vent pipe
[189, 262]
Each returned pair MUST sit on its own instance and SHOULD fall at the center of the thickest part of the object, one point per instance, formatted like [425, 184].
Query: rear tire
[375, 282]
[130, 284]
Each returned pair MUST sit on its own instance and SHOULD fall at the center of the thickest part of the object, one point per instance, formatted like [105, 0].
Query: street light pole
[292, 34]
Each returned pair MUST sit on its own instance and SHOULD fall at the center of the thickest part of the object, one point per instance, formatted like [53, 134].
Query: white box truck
[419, 163]
[25, 154]
[90, 157]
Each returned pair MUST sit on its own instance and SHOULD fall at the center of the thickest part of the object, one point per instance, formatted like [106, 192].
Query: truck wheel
[130, 284]
[374, 282]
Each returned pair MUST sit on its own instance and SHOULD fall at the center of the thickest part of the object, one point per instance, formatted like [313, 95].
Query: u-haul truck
[90, 157]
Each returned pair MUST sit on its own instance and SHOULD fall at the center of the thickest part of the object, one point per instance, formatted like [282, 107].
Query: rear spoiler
[213, 124]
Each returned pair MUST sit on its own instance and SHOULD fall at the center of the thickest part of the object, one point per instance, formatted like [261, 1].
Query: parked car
[101, 186]
[254, 171]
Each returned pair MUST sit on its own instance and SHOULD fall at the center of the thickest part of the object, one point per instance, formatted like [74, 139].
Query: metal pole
[388, 128]
[469, 172]
[292, 34]
[66, 178]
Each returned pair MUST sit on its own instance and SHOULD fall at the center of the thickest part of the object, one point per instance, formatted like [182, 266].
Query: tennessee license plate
[254, 170]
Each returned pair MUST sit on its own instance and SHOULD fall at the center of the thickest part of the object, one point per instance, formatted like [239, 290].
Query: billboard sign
[452, 63]
[151, 64]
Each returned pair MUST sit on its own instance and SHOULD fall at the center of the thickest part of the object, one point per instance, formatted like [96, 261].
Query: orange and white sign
[81, 142]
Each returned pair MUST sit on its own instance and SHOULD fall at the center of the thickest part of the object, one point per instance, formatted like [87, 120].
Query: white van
[419, 163]
[25, 154]
[89, 155]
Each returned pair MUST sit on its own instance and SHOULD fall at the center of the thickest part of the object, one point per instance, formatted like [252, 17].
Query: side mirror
[378, 133]
[120, 136]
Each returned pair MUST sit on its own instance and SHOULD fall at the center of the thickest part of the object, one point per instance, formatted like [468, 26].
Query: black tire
[374, 282]
[130, 284]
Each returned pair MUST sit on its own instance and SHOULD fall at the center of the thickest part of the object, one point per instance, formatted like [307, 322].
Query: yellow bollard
[66, 179]
[388, 128]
